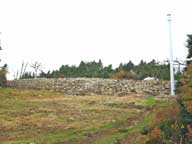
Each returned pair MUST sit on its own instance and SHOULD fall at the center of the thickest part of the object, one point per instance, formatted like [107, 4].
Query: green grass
[108, 126]
[49, 139]
[45, 117]
[68, 136]
[137, 127]
[110, 139]
[123, 132]
[150, 101]
[18, 142]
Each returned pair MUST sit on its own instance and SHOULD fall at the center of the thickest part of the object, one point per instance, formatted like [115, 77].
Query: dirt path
[91, 139]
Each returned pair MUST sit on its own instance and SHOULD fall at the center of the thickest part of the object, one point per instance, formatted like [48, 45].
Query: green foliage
[113, 138]
[184, 90]
[27, 75]
[165, 125]
[85, 69]
[95, 69]
[152, 69]
[171, 129]
[178, 128]
[143, 70]
[150, 101]
[127, 67]
[189, 46]
[3, 79]
[175, 124]
[120, 74]
[137, 127]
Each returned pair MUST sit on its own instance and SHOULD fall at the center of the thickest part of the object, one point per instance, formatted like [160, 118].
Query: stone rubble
[94, 86]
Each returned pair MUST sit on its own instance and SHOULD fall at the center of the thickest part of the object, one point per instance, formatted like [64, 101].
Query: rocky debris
[94, 86]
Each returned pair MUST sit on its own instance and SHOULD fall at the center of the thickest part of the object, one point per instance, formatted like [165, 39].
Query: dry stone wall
[94, 86]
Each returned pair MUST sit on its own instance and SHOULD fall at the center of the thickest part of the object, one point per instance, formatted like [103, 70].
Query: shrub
[185, 102]
[120, 74]
[3, 79]
[165, 126]
[186, 89]
[124, 74]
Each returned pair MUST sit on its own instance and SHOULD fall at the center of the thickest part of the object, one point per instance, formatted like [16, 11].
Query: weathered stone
[94, 86]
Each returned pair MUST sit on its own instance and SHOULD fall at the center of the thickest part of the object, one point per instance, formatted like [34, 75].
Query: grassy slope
[42, 117]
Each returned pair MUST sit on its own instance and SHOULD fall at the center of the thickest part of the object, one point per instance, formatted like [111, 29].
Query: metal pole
[171, 57]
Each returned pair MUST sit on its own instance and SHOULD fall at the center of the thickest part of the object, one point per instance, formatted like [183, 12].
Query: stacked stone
[94, 86]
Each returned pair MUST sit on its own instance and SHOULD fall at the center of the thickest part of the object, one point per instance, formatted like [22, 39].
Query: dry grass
[31, 116]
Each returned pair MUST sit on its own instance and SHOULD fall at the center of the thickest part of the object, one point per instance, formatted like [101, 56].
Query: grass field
[44, 117]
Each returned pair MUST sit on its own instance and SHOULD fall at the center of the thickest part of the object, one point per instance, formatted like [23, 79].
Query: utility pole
[172, 81]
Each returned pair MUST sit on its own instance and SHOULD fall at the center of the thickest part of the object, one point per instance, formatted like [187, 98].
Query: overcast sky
[56, 32]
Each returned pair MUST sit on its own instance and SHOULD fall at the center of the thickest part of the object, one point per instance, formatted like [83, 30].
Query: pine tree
[189, 46]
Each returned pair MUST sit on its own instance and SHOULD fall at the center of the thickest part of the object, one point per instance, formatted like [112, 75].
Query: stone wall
[94, 86]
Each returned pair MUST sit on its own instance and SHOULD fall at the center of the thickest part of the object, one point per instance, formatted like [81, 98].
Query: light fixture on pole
[172, 81]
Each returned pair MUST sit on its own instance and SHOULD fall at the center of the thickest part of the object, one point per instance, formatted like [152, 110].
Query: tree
[142, 62]
[129, 66]
[189, 46]
[107, 72]
[184, 92]
[27, 75]
[37, 67]
[23, 70]
[3, 72]
[153, 62]
[94, 69]
[3, 79]
[126, 67]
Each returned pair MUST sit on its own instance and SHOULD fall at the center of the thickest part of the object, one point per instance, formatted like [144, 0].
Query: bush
[122, 74]
[186, 89]
[185, 102]
[165, 125]
[3, 79]
[175, 122]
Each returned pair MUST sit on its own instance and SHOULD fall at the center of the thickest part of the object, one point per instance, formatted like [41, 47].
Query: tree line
[95, 69]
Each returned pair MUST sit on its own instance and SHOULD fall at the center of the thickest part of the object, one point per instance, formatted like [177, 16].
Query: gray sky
[56, 32]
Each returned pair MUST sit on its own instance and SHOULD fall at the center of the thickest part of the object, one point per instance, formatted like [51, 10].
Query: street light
[171, 57]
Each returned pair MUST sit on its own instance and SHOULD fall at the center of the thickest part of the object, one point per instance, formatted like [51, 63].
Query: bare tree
[16, 75]
[21, 71]
[25, 67]
[37, 67]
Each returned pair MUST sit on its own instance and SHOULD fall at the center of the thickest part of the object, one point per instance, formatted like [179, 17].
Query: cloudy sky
[56, 32]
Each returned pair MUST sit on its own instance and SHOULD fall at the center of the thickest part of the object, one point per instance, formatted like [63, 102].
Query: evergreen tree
[3, 79]
[189, 46]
